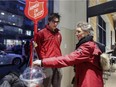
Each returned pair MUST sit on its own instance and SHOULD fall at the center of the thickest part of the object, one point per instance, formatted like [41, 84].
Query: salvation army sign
[36, 9]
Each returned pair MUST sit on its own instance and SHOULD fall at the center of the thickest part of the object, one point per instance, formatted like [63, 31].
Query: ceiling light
[13, 15]
[2, 13]
[14, 24]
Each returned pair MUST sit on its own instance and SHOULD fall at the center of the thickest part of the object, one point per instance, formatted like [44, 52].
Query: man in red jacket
[49, 41]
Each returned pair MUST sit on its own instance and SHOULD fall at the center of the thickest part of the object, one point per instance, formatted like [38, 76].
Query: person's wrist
[37, 62]
[40, 63]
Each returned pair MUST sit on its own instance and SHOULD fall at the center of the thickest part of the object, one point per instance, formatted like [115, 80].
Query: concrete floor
[111, 82]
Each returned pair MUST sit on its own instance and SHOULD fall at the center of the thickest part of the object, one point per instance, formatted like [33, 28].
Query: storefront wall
[71, 11]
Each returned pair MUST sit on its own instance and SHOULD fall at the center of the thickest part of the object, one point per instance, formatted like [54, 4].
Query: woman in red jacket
[86, 59]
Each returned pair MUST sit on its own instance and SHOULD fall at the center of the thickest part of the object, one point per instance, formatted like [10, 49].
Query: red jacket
[86, 58]
[48, 43]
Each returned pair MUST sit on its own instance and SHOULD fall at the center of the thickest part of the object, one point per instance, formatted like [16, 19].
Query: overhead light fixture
[2, 13]
[14, 24]
[13, 15]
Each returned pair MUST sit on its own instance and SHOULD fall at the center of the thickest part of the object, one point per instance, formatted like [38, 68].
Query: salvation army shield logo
[36, 9]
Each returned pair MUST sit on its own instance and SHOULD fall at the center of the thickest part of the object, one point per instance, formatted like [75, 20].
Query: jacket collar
[83, 40]
[48, 28]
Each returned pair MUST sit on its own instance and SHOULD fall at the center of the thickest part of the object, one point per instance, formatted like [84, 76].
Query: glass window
[20, 31]
[1, 29]
[9, 18]
[28, 33]
[102, 30]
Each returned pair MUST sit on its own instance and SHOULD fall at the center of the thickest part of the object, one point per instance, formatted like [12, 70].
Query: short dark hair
[53, 15]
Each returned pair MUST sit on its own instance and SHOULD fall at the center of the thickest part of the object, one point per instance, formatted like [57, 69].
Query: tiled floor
[111, 82]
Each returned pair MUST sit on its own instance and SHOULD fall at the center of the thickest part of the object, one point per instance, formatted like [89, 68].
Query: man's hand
[37, 63]
[35, 44]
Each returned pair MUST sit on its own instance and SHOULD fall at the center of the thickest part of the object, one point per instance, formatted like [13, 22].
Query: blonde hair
[86, 27]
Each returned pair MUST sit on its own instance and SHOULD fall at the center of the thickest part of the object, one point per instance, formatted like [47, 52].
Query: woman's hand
[37, 63]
